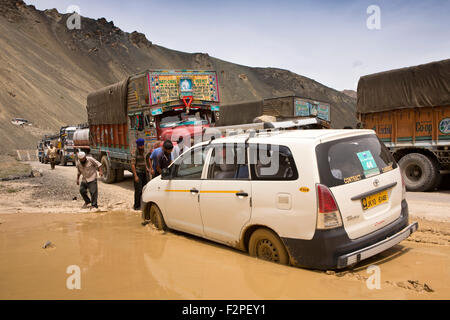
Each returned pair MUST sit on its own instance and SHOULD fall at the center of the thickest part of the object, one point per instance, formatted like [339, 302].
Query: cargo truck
[409, 109]
[154, 105]
[275, 109]
[65, 146]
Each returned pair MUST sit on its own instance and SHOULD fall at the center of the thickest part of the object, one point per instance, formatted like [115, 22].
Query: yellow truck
[409, 109]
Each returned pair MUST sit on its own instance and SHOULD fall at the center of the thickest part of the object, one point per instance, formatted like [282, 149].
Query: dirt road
[119, 258]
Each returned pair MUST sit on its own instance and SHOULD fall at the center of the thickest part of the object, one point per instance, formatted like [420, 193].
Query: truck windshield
[70, 135]
[183, 119]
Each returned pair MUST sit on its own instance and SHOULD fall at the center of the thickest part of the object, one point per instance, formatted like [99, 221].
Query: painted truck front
[65, 146]
[409, 109]
[156, 105]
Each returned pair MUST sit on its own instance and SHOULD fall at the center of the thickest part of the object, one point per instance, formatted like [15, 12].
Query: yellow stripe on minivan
[218, 191]
[204, 191]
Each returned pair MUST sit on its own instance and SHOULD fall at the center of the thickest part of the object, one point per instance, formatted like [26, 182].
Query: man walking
[52, 152]
[87, 167]
[139, 169]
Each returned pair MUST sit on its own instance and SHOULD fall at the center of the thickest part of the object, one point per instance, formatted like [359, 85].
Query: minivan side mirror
[165, 174]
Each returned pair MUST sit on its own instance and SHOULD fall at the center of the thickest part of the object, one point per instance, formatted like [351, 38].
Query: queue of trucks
[64, 143]
[165, 104]
[408, 108]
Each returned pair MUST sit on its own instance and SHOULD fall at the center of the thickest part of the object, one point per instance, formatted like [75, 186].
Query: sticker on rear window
[352, 179]
[368, 163]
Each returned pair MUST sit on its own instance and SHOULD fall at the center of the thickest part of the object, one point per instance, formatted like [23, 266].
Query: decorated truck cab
[155, 105]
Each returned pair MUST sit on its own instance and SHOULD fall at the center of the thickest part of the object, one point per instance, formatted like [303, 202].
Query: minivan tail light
[328, 215]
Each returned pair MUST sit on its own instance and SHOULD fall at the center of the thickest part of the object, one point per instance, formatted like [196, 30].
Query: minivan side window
[228, 162]
[272, 162]
[190, 165]
[352, 159]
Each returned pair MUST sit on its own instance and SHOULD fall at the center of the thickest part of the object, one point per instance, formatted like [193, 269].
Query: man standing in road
[52, 151]
[152, 160]
[87, 167]
[139, 169]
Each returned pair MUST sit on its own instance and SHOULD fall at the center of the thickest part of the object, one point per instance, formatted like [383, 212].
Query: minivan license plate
[374, 200]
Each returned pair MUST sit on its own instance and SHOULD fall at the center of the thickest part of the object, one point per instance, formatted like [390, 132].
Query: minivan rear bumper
[333, 249]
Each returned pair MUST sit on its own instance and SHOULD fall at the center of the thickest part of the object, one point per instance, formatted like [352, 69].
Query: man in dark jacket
[139, 169]
[163, 159]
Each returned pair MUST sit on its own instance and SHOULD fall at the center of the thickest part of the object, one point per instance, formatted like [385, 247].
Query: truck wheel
[109, 174]
[157, 218]
[419, 171]
[265, 244]
[119, 175]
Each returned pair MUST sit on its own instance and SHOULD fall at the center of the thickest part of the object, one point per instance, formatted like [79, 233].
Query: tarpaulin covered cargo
[108, 105]
[279, 107]
[426, 85]
[239, 113]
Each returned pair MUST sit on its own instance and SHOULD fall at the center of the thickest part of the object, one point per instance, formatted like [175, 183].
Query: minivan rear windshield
[352, 159]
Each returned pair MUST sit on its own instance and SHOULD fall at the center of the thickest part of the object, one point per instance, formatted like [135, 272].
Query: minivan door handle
[193, 190]
[242, 194]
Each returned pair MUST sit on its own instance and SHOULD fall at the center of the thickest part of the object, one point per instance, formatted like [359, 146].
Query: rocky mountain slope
[47, 70]
[350, 93]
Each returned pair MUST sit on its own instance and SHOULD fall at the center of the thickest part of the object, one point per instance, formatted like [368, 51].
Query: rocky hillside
[47, 70]
[350, 93]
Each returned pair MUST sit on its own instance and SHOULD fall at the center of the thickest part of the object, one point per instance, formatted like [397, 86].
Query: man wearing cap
[87, 167]
[139, 169]
[164, 158]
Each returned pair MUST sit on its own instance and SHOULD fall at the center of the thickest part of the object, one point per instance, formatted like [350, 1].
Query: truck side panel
[411, 126]
[109, 137]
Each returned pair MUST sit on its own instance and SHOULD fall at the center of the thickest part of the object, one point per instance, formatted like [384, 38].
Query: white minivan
[323, 199]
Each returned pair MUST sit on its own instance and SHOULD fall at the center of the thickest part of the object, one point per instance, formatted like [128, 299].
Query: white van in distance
[323, 199]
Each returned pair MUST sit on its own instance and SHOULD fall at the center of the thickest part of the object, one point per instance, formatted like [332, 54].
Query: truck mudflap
[367, 252]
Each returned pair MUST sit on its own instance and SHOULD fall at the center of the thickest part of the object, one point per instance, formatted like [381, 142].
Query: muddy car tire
[157, 218]
[265, 244]
[109, 174]
[419, 172]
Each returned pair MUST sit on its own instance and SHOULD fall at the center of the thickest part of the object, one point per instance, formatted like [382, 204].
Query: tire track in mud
[414, 285]
[431, 232]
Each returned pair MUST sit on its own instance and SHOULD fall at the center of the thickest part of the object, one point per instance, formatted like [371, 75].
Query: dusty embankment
[11, 168]
[120, 259]
[57, 191]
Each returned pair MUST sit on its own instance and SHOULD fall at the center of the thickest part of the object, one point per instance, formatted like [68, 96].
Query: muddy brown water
[121, 259]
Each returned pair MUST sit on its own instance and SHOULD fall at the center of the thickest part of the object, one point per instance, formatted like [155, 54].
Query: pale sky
[327, 41]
